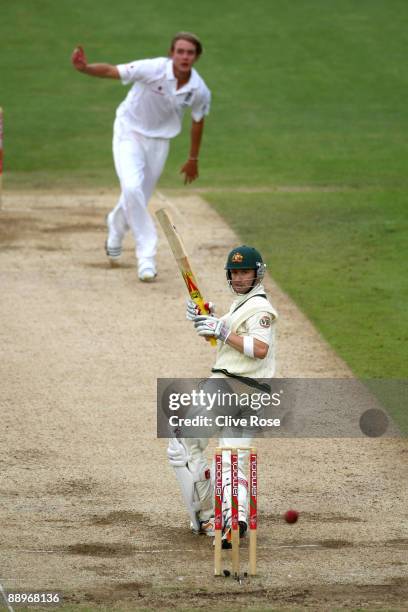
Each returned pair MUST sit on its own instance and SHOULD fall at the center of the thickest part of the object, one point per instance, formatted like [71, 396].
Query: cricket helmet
[245, 258]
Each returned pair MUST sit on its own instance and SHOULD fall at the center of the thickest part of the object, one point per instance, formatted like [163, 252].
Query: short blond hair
[191, 38]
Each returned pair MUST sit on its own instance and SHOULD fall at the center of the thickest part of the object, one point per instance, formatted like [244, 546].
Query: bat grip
[201, 304]
[213, 341]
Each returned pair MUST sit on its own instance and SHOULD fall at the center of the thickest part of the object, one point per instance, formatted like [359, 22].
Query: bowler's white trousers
[139, 162]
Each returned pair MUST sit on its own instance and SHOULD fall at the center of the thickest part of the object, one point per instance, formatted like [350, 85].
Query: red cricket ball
[291, 516]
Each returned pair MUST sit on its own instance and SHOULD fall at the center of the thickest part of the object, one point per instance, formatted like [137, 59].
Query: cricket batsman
[245, 353]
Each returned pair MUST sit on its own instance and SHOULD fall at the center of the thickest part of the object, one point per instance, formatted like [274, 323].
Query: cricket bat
[181, 257]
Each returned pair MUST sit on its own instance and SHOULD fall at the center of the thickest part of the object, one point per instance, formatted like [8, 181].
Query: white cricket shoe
[113, 253]
[147, 271]
[206, 527]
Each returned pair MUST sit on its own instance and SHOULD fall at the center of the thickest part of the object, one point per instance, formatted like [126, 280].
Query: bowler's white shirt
[154, 106]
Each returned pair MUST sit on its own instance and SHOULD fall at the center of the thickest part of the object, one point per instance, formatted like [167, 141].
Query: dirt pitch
[89, 506]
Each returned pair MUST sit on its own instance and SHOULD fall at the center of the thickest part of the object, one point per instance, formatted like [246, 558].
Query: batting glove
[193, 310]
[177, 453]
[211, 326]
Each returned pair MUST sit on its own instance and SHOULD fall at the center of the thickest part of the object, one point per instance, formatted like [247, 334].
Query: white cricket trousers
[139, 162]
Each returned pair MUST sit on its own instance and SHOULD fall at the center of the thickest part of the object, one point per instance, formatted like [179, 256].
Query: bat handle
[200, 302]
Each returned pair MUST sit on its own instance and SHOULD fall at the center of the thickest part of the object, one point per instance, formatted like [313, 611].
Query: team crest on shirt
[237, 258]
[187, 99]
[265, 321]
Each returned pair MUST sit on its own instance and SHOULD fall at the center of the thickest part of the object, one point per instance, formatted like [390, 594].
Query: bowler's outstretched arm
[104, 71]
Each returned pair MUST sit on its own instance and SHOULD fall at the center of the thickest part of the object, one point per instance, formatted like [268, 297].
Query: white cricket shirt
[249, 315]
[154, 106]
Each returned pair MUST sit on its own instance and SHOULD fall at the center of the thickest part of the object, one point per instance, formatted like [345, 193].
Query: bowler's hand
[78, 59]
[190, 171]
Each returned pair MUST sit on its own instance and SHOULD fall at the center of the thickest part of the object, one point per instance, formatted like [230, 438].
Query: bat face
[194, 291]
[191, 286]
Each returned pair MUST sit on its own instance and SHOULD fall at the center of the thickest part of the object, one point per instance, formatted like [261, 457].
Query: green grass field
[308, 93]
[339, 254]
[304, 92]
